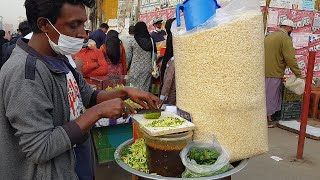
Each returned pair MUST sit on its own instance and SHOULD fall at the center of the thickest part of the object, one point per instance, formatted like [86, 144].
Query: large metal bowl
[237, 167]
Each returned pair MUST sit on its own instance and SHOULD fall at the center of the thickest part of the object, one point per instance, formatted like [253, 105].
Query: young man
[42, 98]
[99, 36]
[279, 53]
[158, 35]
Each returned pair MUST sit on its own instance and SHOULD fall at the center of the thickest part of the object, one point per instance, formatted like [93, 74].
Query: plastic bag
[230, 11]
[193, 169]
[155, 70]
[295, 85]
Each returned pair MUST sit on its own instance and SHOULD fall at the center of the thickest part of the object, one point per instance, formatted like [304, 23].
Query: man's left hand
[145, 99]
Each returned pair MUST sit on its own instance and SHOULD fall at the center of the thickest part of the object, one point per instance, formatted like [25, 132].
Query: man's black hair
[2, 33]
[50, 9]
[104, 25]
[24, 28]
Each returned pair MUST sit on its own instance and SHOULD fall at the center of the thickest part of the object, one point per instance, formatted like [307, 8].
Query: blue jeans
[84, 160]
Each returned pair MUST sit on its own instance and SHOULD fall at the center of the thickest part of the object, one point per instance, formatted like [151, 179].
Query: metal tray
[240, 165]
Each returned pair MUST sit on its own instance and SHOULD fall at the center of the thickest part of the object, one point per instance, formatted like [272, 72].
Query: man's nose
[82, 34]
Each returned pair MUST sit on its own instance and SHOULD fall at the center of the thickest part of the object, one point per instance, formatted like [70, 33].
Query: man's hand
[115, 109]
[145, 99]
[112, 109]
[110, 104]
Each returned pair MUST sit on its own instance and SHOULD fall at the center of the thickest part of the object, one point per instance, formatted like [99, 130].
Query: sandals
[271, 126]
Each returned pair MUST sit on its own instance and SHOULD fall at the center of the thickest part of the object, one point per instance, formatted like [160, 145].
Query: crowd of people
[104, 54]
[47, 108]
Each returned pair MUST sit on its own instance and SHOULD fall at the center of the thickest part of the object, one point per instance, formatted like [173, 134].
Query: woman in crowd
[93, 60]
[139, 56]
[169, 48]
[114, 54]
[168, 70]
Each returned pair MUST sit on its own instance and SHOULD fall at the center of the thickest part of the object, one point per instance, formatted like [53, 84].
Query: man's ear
[43, 24]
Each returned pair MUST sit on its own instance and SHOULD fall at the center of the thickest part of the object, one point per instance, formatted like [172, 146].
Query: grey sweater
[36, 136]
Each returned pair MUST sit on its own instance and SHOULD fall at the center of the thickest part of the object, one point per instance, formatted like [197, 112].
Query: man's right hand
[114, 109]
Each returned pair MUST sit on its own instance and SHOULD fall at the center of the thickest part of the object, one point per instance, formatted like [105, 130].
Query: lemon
[152, 115]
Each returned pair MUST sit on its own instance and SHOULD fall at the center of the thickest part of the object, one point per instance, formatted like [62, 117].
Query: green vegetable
[132, 104]
[113, 88]
[204, 156]
[190, 174]
[152, 115]
[166, 122]
[136, 156]
[128, 101]
[125, 151]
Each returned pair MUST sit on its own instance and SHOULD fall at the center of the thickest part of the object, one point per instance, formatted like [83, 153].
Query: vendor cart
[137, 175]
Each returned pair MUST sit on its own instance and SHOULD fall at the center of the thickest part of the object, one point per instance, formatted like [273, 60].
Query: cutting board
[160, 131]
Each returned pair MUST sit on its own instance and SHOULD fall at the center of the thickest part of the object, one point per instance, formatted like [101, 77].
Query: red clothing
[89, 58]
[118, 69]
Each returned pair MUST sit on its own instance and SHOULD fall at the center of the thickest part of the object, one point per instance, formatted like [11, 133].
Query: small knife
[145, 111]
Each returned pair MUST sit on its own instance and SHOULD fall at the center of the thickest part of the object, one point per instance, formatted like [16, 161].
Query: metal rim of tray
[124, 166]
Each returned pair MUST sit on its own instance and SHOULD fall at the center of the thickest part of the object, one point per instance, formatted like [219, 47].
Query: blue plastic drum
[196, 12]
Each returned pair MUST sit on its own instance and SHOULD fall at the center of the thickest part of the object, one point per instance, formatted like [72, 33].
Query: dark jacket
[99, 37]
[8, 47]
[158, 36]
[2, 42]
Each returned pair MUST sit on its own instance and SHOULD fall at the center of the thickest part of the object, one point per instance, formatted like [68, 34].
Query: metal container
[237, 168]
[163, 153]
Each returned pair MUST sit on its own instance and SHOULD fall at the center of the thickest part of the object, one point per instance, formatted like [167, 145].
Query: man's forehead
[71, 12]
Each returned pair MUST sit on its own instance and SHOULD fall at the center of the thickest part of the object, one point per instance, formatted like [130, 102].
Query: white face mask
[66, 45]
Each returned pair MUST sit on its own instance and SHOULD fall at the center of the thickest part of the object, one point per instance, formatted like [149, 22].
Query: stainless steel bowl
[124, 166]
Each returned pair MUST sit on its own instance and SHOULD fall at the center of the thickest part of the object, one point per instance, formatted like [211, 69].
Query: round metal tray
[237, 167]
